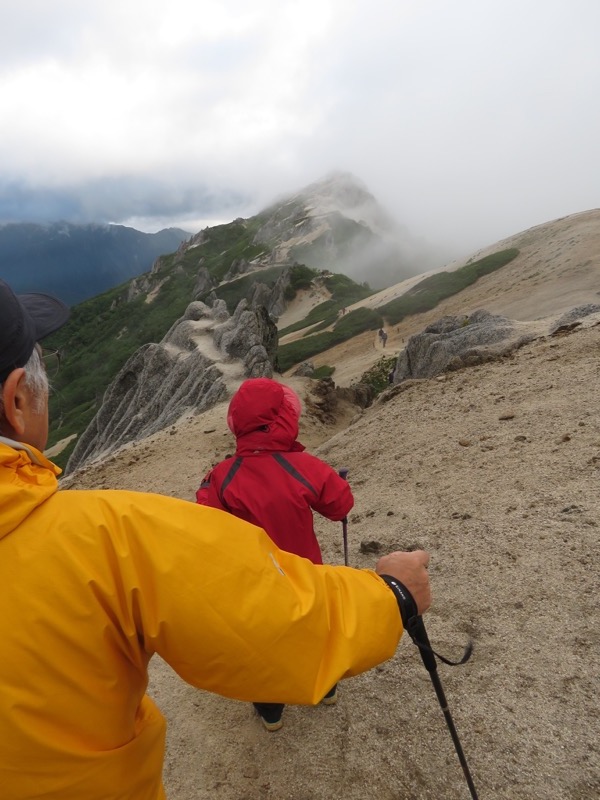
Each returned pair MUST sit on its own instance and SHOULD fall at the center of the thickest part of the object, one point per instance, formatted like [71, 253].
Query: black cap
[24, 320]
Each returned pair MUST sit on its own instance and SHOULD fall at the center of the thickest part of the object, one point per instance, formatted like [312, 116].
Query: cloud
[469, 121]
[115, 199]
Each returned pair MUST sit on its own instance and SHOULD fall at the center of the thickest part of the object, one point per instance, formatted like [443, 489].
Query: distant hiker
[382, 336]
[272, 482]
[94, 583]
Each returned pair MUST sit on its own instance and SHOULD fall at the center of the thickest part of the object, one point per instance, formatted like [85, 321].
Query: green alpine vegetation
[348, 326]
[377, 376]
[344, 292]
[426, 294]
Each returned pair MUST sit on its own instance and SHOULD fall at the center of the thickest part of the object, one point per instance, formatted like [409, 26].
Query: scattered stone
[507, 415]
[464, 443]
[370, 547]
[571, 509]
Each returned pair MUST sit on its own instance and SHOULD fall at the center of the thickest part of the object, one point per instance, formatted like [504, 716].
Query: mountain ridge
[78, 261]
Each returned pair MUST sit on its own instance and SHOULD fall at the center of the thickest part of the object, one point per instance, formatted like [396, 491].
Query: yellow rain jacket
[92, 583]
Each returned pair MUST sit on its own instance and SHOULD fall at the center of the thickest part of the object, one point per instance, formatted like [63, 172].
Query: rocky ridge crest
[189, 371]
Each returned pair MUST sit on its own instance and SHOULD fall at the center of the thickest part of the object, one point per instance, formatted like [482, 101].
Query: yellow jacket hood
[27, 478]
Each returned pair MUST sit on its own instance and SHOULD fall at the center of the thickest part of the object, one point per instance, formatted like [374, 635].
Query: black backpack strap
[291, 470]
[227, 480]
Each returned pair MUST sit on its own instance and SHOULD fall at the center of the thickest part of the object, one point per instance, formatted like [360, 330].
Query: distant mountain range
[76, 262]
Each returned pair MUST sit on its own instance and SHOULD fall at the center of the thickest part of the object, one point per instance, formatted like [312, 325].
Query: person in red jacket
[272, 482]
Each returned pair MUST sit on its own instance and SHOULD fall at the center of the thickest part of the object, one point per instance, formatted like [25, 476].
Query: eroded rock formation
[188, 371]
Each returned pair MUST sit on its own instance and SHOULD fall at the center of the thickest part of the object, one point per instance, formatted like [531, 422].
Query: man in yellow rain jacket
[93, 583]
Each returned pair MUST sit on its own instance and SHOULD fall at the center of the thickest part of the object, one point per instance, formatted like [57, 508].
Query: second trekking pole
[343, 473]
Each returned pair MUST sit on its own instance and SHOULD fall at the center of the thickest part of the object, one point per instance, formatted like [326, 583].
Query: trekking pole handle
[343, 473]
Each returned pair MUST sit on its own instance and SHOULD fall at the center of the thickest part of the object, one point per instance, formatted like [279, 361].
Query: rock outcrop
[189, 371]
[454, 342]
[572, 319]
[272, 298]
[204, 282]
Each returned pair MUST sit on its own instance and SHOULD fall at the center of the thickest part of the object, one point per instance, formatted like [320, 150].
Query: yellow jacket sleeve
[234, 615]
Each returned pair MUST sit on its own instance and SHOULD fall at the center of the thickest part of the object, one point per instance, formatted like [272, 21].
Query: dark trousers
[271, 712]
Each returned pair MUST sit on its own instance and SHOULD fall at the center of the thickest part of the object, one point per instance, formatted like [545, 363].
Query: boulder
[572, 319]
[304, 370]
[454, 342]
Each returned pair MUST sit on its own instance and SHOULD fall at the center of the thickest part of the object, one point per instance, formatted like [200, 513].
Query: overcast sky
[469, 120]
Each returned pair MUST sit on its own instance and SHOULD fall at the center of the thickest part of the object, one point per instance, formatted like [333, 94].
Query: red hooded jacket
[271, 482]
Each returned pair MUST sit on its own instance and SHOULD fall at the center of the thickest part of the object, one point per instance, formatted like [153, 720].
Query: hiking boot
[330, 698]
[272, 726]
[270, 715]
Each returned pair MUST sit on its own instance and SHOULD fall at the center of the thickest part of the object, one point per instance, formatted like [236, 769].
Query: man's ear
[15, 396]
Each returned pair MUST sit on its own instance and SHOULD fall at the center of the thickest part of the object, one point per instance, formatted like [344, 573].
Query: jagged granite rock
[251, 336]
[453, 342]
[187, 371]
[324, 397]
[277, 301]
[304, 370]
[571, 319]
[239, 266]
[204, 282]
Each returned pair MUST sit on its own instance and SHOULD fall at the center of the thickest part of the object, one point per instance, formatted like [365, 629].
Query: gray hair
[36, 380]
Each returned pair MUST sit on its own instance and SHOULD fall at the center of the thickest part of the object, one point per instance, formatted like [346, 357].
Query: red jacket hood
[263, 415]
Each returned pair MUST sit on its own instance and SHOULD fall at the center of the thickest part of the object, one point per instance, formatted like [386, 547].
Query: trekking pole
[343, 473]
[419, 636]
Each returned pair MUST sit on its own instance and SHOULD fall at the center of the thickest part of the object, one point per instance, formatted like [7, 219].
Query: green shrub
[426, 294]
[344, 292]
[377, 376]
[348, 326]
[324, 371]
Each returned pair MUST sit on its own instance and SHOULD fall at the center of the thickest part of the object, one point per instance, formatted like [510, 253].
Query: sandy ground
[495, 471]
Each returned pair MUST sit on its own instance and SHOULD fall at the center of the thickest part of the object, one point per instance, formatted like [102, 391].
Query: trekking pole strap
[405, 600]
[415, 627]
[416, 631]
